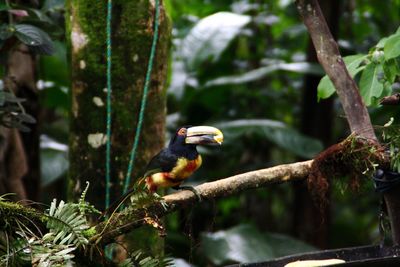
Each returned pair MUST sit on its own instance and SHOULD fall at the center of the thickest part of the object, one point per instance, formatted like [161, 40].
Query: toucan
[177, 162]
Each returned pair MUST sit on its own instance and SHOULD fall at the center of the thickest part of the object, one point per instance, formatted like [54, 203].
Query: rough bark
[131, 41]
[132, 34]
[347, 90]
[332, 62]
[128, 220]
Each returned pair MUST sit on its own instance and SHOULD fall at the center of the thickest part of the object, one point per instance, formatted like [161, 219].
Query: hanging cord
[144, 99]
[109, 89]
[108, 249]
[385, 180]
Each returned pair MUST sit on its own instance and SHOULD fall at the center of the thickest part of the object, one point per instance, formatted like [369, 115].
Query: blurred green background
[246, 67]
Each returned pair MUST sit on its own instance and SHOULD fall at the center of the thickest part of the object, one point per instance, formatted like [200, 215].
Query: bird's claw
[190, 188]
[161, 200]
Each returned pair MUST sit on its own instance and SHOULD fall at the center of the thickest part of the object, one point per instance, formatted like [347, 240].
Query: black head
[178, 144]
[188, 137]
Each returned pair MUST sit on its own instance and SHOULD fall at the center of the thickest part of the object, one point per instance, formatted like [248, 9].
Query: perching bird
[177, 162]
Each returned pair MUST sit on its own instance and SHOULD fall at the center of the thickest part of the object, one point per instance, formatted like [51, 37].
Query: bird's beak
[204, 135]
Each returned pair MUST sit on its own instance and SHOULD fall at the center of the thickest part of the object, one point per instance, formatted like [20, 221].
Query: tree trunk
[132, 34]
[19, 152]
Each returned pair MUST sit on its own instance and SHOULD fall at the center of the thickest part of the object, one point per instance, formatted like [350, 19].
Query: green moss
[90, 232]
[11, 211]
[132, 26]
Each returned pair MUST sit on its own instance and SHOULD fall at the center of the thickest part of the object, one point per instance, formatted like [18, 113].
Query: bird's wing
[164, 161]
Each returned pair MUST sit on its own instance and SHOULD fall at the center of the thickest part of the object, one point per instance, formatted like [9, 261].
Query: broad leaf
[35, 38]
[276, 132]
[381, 43]
[53, 160]
[392, 46]
[325, 86]
[29, 34]
[370, 87]
[245, 243]
[253, 75]
[26, 118]
[210, 37]
[54, 165]
[391, 70]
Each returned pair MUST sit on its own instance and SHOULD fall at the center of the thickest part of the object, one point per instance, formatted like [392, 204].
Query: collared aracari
[177, 162]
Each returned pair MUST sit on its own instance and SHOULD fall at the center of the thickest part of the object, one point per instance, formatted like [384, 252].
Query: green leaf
[35, 38]
[260, 73]
[4, 7]
[54, 164]
[391, 70]
[275, 131]
[210, 37]
[370, 87]
[24, 117]
[245, 243]
[29, 34]
[6, 31]
[392, 46]
[381, 43]
[325, 86]
[11, 98]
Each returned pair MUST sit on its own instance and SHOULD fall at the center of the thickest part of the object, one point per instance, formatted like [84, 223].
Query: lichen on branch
[353, 158]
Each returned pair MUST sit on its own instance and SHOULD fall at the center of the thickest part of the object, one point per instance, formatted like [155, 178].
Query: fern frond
[50, 254]
[4, 196]
[139, 259]
[84, 206]
[66, 224]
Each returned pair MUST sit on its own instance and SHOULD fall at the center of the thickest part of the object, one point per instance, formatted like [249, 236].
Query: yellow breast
[184, 168]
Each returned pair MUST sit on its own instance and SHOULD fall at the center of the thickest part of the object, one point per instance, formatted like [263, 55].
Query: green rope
[108, 126]
[144, 99]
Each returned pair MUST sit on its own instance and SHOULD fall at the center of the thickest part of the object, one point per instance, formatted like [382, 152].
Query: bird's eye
[182, 131]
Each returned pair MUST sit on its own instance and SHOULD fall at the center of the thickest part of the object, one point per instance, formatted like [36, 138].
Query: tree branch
[356, 112]
[128, 220]
[330, 59]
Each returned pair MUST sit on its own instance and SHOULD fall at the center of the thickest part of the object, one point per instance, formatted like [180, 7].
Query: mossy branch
[12, 211]
[128, 220]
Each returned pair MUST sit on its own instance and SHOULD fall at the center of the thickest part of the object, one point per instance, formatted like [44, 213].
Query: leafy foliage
[244, 243]
[66, 224]
[138, 258]
[66, 233]
[210, 37]
[12, 113]
[379, 70]
[19, 245]
[38, 40]
[275, 131]
[391, 136]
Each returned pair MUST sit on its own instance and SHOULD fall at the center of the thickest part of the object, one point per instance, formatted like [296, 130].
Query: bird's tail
[116, 204]
[121, 200]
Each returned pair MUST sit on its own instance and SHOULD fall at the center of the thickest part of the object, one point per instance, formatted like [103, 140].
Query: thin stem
[10, 17]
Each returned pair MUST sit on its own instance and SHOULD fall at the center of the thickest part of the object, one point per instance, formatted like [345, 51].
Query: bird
[178, 161]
